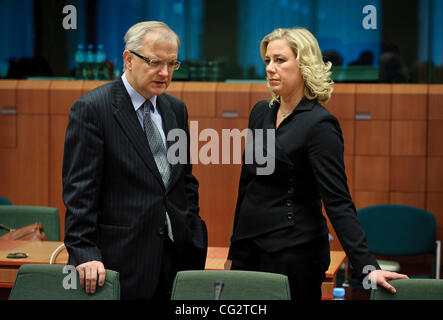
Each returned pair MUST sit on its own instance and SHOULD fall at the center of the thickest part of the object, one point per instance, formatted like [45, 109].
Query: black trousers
[168, 271]
[305, 265]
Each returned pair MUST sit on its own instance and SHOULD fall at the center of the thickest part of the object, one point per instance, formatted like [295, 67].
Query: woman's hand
[381, 277]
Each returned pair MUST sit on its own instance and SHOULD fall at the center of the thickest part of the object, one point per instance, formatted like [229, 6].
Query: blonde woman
[278, 225]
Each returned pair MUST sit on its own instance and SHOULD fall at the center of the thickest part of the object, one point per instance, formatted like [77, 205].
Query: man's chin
[157, 91]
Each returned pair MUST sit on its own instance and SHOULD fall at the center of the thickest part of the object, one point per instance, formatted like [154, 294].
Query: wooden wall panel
[435, 138]
[91, 85]
[435, 174]
[33, 142]
[57, 126]
[218, 185]
[434, 196]
[408, 174]
[435, 102]
[408, 138]
[33, 149]
[371, 173]
[200, 98]
[62, 96]
[8, 130]
[374, 100]
[8, 113]
[9, 167]
[233, 100]
[259, 92]
[370, 198]
[347, 127]
[342, 102]
[8, 92]
[176, 89]
[413, 199]
[8, 140]
[409, 102]
[33, 97]
[372, 137]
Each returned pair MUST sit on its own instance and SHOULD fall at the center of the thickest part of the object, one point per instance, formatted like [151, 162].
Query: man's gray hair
[135, 35]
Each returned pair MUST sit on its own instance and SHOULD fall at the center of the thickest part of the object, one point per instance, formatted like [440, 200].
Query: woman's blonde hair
[316, 73]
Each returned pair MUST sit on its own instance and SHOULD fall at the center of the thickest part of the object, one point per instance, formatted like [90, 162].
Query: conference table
[41, 252]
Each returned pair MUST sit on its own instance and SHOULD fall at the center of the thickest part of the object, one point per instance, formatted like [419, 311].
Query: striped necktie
[159, 152]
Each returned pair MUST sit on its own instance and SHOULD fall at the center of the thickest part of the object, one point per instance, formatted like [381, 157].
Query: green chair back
[398, 230]
[411, 289]
[4, 201]
[20, 216]
[50, 282]
[238, 285]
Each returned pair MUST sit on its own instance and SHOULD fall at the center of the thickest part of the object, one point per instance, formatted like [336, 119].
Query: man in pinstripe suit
[126, 209]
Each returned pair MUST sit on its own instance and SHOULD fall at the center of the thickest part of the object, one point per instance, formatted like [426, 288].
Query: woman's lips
[273, 81]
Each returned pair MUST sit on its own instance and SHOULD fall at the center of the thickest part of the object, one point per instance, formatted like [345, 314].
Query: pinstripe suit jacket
[114, 195]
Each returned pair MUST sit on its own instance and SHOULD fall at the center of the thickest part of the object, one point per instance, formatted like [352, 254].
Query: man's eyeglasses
[159, 64]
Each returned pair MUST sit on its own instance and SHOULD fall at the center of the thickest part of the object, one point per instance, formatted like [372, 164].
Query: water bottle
[90, 62]
[79, 61]
[100, 70]
[338, 293]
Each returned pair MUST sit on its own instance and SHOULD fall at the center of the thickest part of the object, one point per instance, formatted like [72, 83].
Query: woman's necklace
[284, 115]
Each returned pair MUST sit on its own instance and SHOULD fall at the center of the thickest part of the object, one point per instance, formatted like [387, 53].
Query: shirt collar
[136, 98]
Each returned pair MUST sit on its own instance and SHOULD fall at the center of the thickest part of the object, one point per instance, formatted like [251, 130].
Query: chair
[4, 201]
[49, 282]
[237, 285]
[399, 230]
[20, 216]
[411, 289]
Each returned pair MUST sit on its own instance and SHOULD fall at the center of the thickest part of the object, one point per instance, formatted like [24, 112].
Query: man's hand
[381, 277]
[88, 272]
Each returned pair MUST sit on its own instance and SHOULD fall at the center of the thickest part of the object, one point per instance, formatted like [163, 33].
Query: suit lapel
[169, 123]
[127, 119]
[269, 123]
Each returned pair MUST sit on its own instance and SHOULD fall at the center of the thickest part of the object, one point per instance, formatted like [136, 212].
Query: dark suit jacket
[284, 209]
[114, 194]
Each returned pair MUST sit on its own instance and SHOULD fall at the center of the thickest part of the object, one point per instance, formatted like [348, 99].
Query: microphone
[218, 288]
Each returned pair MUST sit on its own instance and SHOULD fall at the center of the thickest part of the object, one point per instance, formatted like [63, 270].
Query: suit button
[161, 232]
[289, 203]
[290, 216]
[291, 190]
[290, 166]
[291, 179]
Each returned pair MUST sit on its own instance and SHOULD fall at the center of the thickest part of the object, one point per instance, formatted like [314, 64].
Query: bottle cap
[338, 292]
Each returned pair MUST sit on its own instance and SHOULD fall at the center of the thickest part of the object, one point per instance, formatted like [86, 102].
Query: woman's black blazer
[284, 209]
